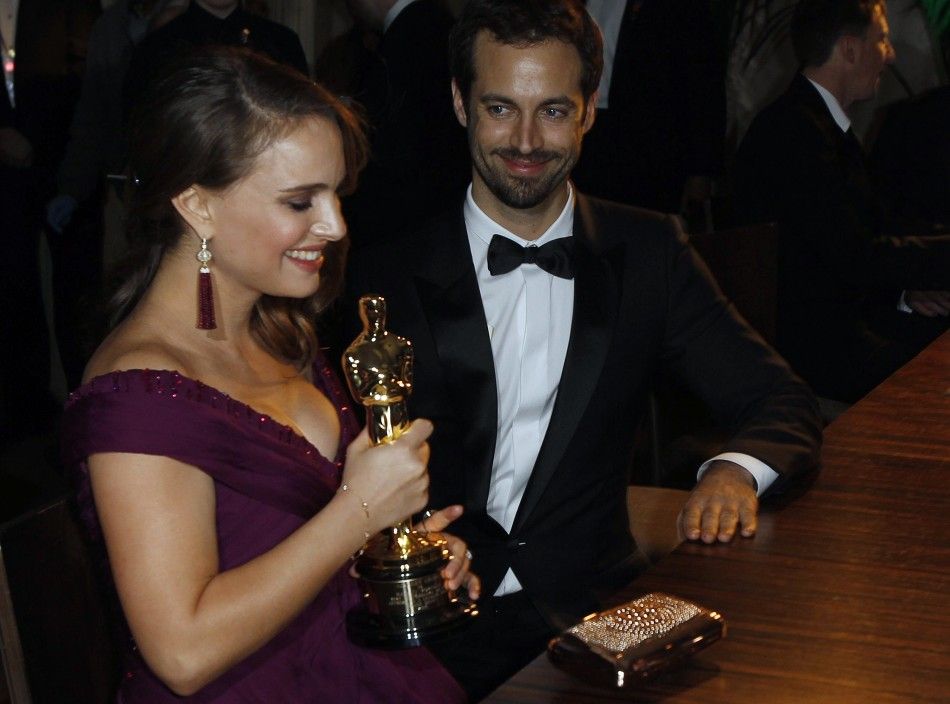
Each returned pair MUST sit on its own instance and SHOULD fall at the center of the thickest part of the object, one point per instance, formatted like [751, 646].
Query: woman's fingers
[436, 521]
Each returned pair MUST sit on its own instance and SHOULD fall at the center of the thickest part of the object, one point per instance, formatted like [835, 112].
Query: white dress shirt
[834, 107]
[529, 314]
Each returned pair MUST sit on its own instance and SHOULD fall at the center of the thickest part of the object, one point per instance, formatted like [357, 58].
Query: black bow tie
[555, 257]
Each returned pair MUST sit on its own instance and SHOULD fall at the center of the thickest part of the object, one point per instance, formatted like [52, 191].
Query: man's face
[525, 117]
[872, 53]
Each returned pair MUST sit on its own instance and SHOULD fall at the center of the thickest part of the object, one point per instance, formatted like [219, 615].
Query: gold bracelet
[365, 506]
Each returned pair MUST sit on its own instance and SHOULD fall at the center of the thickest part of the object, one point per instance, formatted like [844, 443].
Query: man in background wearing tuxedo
[841, 277]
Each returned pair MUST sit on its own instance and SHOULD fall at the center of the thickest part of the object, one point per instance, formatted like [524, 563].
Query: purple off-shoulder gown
[268, 481]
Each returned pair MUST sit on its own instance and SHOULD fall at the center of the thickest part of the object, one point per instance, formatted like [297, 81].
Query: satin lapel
[448, 291]
[596, 296]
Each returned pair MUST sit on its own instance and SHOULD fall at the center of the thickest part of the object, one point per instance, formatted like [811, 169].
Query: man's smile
[525, 164]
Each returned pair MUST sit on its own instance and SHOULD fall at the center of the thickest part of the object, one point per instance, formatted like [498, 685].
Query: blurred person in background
[854, 303]
[44, 44]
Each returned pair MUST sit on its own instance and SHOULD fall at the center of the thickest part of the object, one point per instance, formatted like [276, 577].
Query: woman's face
[269, 230]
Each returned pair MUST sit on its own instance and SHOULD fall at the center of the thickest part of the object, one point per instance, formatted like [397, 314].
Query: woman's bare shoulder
[127, 349]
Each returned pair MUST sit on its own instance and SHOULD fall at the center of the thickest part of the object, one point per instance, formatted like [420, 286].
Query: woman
[226, 507]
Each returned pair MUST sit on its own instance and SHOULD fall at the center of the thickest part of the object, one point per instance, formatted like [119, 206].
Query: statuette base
[405, 601]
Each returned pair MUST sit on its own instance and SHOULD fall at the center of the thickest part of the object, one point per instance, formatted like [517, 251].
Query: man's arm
[788, 170]
[751, 390]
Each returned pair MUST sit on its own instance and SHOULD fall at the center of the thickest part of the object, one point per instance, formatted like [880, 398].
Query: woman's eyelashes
[299, 205]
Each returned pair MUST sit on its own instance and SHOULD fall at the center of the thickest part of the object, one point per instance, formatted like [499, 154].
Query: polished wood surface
[843, 597]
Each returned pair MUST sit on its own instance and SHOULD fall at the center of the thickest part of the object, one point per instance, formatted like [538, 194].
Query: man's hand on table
[723, 502]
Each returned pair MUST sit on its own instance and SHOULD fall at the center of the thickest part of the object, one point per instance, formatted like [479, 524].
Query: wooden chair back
[744, 261]
[53, 631]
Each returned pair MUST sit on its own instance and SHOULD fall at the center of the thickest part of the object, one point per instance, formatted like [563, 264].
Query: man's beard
[522, 193]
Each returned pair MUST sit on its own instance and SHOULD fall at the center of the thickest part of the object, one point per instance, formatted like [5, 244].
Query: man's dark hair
[524, 23]
[818, 24]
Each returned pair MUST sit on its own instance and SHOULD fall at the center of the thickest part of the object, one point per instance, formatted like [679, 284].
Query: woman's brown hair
[203, 121]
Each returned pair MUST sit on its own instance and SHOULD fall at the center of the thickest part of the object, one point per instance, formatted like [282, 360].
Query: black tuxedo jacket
[796, 167]
[642, 300]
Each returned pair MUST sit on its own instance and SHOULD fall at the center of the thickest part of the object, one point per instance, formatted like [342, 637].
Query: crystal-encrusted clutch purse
[634, 641]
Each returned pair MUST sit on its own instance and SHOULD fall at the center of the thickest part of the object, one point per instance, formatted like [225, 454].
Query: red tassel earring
[205, 296]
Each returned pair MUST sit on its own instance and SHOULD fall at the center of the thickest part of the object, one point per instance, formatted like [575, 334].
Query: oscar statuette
[405, 601]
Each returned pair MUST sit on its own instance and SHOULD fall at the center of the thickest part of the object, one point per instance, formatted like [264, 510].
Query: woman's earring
[205, 294]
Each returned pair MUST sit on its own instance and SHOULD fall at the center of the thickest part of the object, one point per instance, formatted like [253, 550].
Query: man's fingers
[748, 517]
[455, 572]
[690, 520]
[712, 519]
[473, 585]
[457, 557]
[728, 519]
[710, 529]
[741, 516]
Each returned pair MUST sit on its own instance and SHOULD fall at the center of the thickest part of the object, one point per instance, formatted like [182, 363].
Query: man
[840, 279]
[661, 110]
[418, 154]
[536, 381]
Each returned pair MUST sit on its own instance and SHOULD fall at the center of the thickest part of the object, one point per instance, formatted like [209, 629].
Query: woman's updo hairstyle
[204, 119]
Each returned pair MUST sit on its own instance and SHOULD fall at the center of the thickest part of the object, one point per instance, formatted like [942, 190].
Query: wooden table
[844, 595]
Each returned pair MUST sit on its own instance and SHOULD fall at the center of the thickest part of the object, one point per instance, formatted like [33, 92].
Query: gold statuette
[406, 603]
